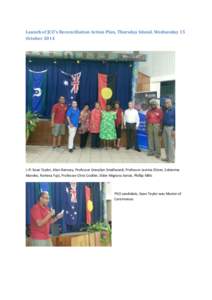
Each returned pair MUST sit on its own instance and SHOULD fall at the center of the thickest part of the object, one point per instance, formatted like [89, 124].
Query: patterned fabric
[84, 122]
[107, 126]
[95, 119]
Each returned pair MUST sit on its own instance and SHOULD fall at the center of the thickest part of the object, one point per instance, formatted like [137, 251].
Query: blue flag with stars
[71, 205]
[36, 94]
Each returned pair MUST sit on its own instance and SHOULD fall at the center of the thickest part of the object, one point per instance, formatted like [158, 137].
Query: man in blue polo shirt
[169, 131]
[72, 115]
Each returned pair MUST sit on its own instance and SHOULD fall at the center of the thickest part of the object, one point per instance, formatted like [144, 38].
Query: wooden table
[76, 239]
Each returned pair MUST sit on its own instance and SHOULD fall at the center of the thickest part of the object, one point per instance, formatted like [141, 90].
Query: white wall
[108, 191]
[160, 66]
[159, 63]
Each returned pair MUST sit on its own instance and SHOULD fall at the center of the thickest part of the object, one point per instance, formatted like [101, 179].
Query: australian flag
[70, 84]
[71, 205]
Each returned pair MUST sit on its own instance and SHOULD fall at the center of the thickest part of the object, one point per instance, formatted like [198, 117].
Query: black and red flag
[106, 89]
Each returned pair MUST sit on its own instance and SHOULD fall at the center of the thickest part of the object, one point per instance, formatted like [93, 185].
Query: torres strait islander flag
[36, 91]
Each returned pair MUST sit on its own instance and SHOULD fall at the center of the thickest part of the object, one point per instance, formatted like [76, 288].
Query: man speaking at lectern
[41, 217]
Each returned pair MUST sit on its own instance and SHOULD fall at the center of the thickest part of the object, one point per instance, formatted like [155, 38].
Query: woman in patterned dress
[107, 126]
[84, 125]
[94, 125]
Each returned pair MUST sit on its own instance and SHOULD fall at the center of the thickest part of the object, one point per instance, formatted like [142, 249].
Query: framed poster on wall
[144, 97]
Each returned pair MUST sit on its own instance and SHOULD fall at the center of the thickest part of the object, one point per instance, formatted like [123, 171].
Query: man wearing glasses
[41, 217]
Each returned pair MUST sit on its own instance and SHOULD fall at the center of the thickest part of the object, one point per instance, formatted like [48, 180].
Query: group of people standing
[106, 126]
[161, 123]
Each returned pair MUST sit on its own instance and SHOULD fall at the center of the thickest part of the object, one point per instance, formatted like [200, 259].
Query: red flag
[89, 205]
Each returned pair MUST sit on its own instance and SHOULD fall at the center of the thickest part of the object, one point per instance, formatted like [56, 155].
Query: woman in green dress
[107, 126]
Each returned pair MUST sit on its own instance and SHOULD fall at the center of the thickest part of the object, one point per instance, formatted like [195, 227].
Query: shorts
[58, 129]
[118, 131]
[41, 243]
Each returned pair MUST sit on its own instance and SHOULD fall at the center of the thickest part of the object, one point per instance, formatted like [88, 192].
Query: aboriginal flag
[106, 89]
[89, 205]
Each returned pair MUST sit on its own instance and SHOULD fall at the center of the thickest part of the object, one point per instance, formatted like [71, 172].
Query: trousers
[169, 143]
[71, 135]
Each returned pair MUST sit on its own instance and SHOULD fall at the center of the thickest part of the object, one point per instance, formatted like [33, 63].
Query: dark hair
[42, 194]
[117, 102]
[74, 101]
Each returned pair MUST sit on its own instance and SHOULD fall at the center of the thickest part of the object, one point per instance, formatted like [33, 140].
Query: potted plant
[31, 123]
[104, 231]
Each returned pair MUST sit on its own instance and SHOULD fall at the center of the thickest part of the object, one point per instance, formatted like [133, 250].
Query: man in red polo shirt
[154, 122]
[58, 119]
[41, 217]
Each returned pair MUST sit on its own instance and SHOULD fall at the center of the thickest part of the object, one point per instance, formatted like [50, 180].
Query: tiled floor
[45, 154]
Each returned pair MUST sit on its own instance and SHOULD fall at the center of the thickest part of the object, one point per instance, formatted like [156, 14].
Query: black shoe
[128, 148]
[137, 149]
[70, 150]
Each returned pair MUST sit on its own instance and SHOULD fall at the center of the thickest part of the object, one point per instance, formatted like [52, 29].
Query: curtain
[88, 93]
[57, 191]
